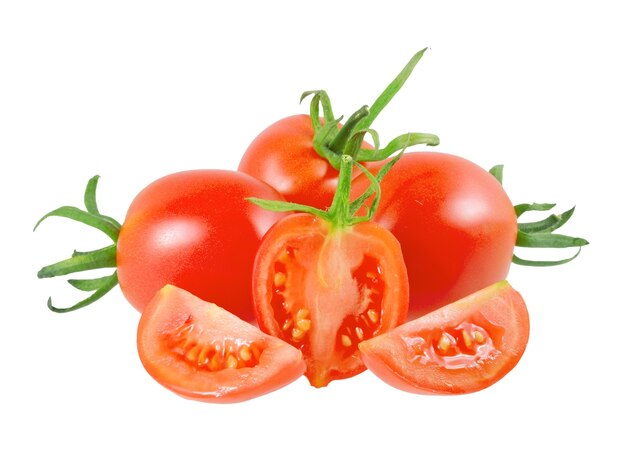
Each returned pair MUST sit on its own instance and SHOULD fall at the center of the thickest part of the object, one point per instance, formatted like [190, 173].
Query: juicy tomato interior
[460, 348]
[326, 291]
[203, 352]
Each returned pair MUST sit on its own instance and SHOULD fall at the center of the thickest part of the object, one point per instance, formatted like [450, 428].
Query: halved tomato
[203, 352]
[461, 348]
[324, 289]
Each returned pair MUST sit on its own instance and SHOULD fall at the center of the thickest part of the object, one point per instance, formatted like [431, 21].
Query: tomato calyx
[91, 260]
[331, 141]
[540, 234]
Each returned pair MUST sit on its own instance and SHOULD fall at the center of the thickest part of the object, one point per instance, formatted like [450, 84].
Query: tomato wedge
[326, 289]
[203, 352]
[463, 347]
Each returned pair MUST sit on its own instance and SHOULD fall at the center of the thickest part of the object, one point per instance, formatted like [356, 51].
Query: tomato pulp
[460, 348]
[195, 230]
[203, 352]
[455, 223]
[324, 290]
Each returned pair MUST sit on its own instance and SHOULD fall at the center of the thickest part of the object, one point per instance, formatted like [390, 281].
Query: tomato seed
[479, 337]
[279, 279]
[373, 316]
[244, 353]
[359, 333]
[444, 343]
[467, 339]
[346, 341]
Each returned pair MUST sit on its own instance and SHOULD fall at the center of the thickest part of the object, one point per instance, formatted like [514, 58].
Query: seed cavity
[229, 353]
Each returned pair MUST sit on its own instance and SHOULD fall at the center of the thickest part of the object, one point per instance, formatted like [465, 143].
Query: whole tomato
[193, 229]
[455, 223]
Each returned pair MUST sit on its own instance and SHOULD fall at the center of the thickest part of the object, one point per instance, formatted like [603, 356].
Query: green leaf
[548, 240]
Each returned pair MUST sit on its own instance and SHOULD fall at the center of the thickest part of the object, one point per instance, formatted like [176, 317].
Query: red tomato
[461, 348]
[200, 351]
[325, 289]
[455, 222]
[195, 230]
[283, 156]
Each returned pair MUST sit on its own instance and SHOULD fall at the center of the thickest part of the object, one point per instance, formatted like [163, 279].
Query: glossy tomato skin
[324, 290]
[195, 230]
[463, 347]
[283, 156]
[455, 222]
[203, 352]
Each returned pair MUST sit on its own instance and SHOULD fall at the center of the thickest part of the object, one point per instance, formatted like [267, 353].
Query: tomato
[325, 289]
[460, 348]
[283, 156]
[203, 352]
[455, 222]
[195, 230]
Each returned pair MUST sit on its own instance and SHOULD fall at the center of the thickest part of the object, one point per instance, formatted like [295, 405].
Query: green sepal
[548, 224]
[548, 240]
[106, 285]
[391, 90]
[523, 208]
[536, 263]
[82, 261]
[498, 172]
[399, 143]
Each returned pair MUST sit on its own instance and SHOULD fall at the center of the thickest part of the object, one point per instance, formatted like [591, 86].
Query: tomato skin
[177, 338]
[343, 285]
[455, 222]
[283, 156]
[410, 356]
[195, 230]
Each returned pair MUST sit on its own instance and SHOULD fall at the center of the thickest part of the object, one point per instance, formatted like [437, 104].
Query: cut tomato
[203, 352]
[325, 289]
[461, 348]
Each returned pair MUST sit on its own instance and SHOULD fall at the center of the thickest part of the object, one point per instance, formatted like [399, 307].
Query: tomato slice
[461, 348]
[326, 289]
[203, 352]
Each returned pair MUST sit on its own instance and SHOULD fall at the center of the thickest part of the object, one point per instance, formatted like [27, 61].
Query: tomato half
[324, 290]
[202, 352]
[195, 230]
[283, 156]
[460, 348]
[455, 222]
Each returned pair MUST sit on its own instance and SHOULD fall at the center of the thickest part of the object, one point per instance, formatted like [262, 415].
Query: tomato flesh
[325, 290]
[203, 352]
[460, 348]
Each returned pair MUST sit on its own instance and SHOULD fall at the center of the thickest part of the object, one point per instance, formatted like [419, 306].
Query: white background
[136, 90]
